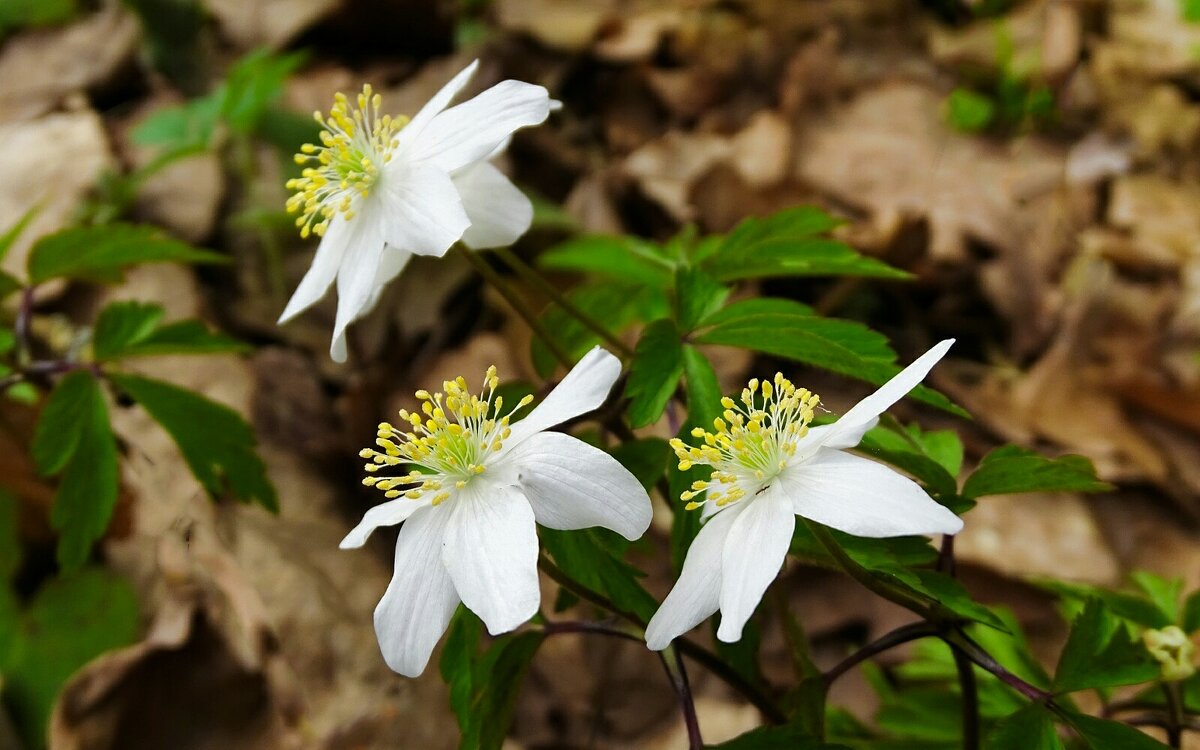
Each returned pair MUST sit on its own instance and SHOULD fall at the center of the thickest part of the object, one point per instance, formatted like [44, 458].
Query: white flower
[379, 190]
[470, 504]
[769, 467]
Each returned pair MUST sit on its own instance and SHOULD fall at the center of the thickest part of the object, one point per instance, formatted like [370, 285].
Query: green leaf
[901, 451]
[949, 595]
[839, 346]
[758, 310]
[8, 284]
[702, 389]
[128, 329]
[70, 621]
[786, 244]
[1101, 734]
[645, 458]
[121, 324]
[100, 253]
[73, 436]
[696, 296]
[253, 84]
[618, 305]
[500, 674]
[1010, 469]
[10, 541]
[62, 424]
[776, 738]
[1100, 652]
[685, 524]
[18, 14]
[1031, 728]
[1162, 592]
[1191, 613]
[626, 259]
[181, 128]
[655, 372]
[969, 111]
[12, 233]
[457, 666]
[216, 442]
[1132, 607]
[596, 564]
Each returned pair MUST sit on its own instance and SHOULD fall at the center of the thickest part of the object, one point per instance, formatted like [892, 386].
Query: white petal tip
[555, 105]
[352, 541]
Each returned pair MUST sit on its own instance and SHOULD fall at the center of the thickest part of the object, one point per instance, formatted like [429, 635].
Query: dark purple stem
[673, 663]
[903, 634]
[976, 654]
[21, 328]
[945, 562]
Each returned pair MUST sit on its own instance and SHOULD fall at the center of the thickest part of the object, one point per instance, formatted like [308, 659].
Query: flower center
[753, 440]
[355, 144]
[446, 448]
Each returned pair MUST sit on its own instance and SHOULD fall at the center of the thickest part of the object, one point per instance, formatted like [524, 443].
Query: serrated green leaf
[623, 258]
[123, 323]
[62, 422]
[13, 232]
[218, 445]
[498, 683]
[776, 738]
[100, 253]
[787, 244]
[902, 452]
[842, 347]
[1163, 593]
[1101, 734]
[253, 84]
[1132, 607]
[70, 621]
[1191, 613]
[1010, 469]
[645, 458]
[87, 489]
[757, 310]
[702, 389]
[1100, 652]
[457, 666]
[588, 560]
[617, 305]
[949, 595]
[1031, 728]
[131, 329]
[697, 295]
[8, 284]
[654, 373]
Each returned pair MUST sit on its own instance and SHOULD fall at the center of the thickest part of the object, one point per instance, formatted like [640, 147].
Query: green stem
[530, 275]
[864, 576]
[510, 295]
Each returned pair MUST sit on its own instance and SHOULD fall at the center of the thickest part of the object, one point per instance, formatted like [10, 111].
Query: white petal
[356, 279]
[499, 212]
[863, 497]
[754, 552]
[696, 594]
[425, 214]
[323, 271]
[491, 552]
[469, 132]
[418, 603]
[438, 103]
[391, 264]
[849, 429]
[386, 514]
[572, 485]
[583, 389]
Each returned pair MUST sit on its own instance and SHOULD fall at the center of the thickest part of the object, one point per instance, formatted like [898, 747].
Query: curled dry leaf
[889, 153]
[41, 68]
[269, 23]
[51, 164]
